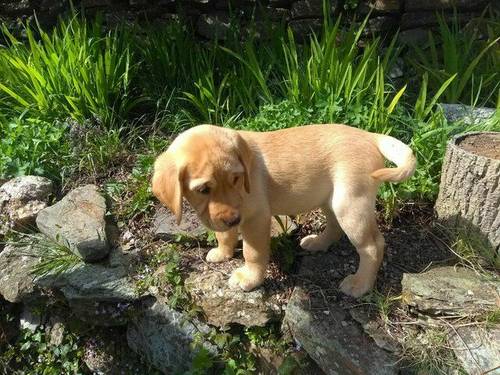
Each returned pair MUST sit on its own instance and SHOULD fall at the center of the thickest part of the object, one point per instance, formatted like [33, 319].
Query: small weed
[163, 272]
[492, 319]
[384, 303]
[267, 337]
[55, 258]
[428, 351]
[234, 357]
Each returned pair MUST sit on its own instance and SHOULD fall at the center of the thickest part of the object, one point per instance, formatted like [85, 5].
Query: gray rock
[374, 328]
[78, 222]
[379, 7]
[450, 291]
[467, 114]
[336, 343]
[303, 28]
[165, 226]
[477, 349]
[21, 199]
[164, 337]
[418, 5]
[214, 26]
[55, 332]
[428, 19]
[15, 7]
[16, 279]
[380, 24]
[98, 294]
[223, 305]
[30, 319]
[413, 36]
[310, 8]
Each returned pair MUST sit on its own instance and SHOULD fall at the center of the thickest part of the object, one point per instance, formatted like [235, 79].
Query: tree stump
[469, 193]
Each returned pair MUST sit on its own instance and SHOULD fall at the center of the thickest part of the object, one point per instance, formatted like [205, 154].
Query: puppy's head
[209, 166]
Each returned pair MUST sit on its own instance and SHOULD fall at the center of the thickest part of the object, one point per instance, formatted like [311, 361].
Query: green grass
[459, 50]
[77, 70]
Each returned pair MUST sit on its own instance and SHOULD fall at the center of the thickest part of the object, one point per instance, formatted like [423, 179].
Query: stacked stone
[215, 18]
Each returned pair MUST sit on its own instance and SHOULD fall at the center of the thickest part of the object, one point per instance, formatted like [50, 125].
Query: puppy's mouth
[213, 225]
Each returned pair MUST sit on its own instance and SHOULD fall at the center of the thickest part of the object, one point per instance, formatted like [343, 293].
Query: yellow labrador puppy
[239, 179]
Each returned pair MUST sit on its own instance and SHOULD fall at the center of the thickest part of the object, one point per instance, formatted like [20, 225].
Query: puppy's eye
[236, 179]
[204, 190]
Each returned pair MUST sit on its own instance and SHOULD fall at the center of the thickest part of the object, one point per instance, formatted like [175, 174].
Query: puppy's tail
[400, 154]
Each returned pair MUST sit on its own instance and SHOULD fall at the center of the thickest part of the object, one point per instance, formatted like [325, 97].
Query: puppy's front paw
[355, 286]
[314, 243]
[246, 278]
[216, 255]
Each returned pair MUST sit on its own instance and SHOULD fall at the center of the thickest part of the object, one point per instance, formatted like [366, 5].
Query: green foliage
[31, 146]
[163, 271]
[458, 51]
[234, 356]
[96, 151]
[77, 70]
[81, 71]
[34, 354]
[277, 116]
[133, 197]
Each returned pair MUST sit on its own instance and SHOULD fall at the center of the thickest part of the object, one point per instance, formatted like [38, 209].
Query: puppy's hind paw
[216, 255]
[355, 286]
[314, 243]
[246, 278]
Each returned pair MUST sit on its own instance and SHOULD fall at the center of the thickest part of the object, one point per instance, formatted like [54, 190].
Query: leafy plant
[77, 70]
[456, 51]
[33, 354]
[31, 146]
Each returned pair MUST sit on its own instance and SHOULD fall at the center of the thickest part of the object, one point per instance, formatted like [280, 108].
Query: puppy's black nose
[233, 221]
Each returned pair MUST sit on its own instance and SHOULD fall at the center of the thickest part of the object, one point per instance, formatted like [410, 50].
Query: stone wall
[212, 18]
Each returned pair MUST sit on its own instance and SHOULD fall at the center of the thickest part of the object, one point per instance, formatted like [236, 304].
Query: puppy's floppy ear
[245, 156]
[167, 183]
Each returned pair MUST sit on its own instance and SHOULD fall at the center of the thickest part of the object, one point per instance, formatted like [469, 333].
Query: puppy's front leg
[226, 242]
[256, 248]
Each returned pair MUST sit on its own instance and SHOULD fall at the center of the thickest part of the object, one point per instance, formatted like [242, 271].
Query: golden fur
[239, 179]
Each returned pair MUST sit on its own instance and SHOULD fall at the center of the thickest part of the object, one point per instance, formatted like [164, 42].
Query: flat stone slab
[335, 342]
[450, 291]
[164, 337]
[223, 305]
[21, 199]
[166, 228]
[96, 293]
[78, 222]
[477, 349]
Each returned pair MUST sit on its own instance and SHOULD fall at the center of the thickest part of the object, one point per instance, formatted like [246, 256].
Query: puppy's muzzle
[233, 221]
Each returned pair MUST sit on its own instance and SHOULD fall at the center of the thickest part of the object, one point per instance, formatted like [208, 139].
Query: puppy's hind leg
[226, 242]
[322, 241]
[356, 216]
